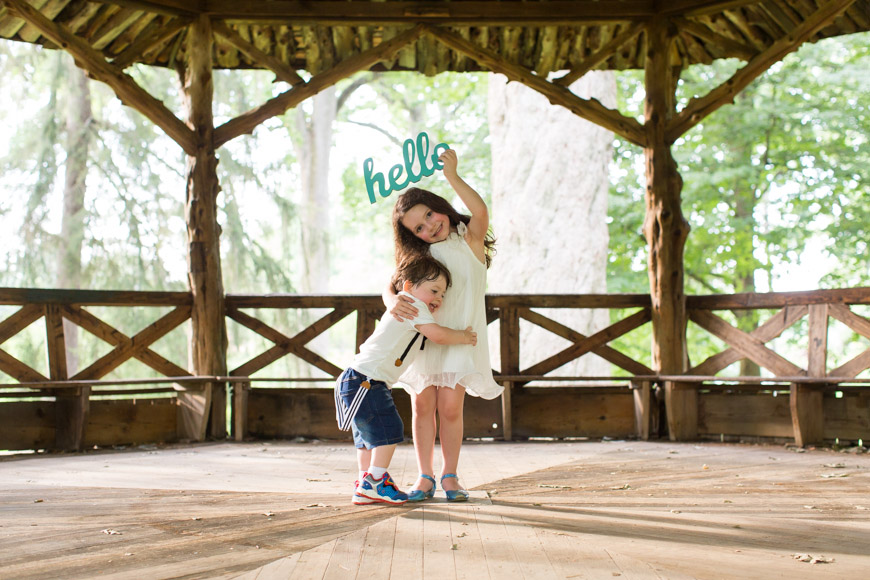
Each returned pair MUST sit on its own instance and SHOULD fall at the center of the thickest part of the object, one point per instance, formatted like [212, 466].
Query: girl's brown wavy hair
[407, 244]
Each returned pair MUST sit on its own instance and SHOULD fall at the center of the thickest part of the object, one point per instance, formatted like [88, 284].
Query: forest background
[776, 189]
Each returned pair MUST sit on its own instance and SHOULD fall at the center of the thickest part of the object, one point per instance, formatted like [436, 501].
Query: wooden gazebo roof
[539, 35]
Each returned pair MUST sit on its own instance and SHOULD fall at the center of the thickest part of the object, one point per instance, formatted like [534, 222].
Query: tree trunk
[78, 117]
[72, 406]
[666, 231]
[313, 154]
[208, 340]
[549, 208]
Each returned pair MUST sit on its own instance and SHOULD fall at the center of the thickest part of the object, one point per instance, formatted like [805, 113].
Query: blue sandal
[454, 494]
[419, 494]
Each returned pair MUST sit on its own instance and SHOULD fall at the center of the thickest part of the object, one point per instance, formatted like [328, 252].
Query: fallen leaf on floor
[676, 512]
[321, 480]
[268, 514]
[813, 559]
[196, 518]
[128, 554]
[705, 466]
[829, 475]
[626, 486]
[554, 486]
[861, 507]
[835, 465]
[728, 501]
[111, 532]
[462, 535]
[38, 500]
[455, 547]
[810, 507]
[317, 505]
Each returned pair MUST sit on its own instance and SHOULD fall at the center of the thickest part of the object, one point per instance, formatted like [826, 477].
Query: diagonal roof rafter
[127, 90]
[698, 109]
[590, 109]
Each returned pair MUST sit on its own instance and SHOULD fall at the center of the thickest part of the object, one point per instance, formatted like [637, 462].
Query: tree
[783, 166]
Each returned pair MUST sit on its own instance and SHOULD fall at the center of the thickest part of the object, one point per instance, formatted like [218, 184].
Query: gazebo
[545, 45]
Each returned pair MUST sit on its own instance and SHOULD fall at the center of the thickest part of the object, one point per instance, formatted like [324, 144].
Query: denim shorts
[377, 421]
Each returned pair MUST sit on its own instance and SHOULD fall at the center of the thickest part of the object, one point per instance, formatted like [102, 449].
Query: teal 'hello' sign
[411, 152]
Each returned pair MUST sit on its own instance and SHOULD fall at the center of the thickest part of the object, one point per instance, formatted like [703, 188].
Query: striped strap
[344, 414]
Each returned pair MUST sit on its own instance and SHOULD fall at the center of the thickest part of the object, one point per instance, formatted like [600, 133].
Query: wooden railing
[685, 416]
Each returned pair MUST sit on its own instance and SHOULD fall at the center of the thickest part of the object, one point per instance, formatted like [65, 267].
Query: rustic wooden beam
[125, 350]
[665, 228]
[158, 33]
[851, 368]
[107, 333]
[608, 353]
[772, 327]
[698, 109]
[596, 340]
[22, 296]
[98, 68]
[466, 13]
[842, 313]
[568, 300]
[285, 345]
[641, 392]
[246, 122]
[181, 8]
[757, 301]
[509, 345]
[240, 410]
[18, 370]
[590, 109]
[601, 55]
[806, 403]
[208, 338]
[730, 46]
[817, 349]
[700, 7]
[748, 345]
[281, 70]
[19, 320]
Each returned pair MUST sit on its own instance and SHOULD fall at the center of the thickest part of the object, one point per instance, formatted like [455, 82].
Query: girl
[426, 224]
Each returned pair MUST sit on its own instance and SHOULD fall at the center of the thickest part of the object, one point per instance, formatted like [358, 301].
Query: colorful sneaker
[381, 490]
[358, 499]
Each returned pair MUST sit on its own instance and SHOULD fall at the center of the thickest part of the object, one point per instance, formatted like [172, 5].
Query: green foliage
[785, 166]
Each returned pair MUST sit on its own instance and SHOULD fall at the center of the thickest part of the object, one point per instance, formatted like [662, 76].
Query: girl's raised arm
[479, 223]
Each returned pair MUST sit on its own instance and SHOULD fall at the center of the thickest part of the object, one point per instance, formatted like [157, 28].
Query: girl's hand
[470, 336]
[450, 160]
[403, 309]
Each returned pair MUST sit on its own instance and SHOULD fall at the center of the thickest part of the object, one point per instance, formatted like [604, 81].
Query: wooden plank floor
[539, 510]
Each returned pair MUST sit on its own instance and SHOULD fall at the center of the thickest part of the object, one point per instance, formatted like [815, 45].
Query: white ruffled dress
[463, 305]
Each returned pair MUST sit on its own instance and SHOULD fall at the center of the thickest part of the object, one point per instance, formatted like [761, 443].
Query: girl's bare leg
[423, 427]
[450, 406]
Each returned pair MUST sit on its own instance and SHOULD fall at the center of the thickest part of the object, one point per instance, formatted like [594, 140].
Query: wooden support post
[240, 410]
[509, 343]
[806, 400]
[208, 341]
[666, 231]
[71, 405]
[642, 408]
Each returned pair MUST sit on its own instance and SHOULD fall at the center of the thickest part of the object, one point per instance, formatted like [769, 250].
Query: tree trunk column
[208, 341]
[666, 231]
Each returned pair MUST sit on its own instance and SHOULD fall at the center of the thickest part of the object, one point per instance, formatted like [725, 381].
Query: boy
[363, 399]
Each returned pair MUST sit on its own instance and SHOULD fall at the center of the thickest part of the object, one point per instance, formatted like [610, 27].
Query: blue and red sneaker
[381, 490]
[358, 499]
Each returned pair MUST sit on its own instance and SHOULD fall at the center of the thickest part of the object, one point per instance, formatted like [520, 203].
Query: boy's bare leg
[363, 459]
[381, 456]
[423, 427]
[450, 406]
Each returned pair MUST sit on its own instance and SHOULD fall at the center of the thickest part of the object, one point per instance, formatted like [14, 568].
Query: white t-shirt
[378, 354]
